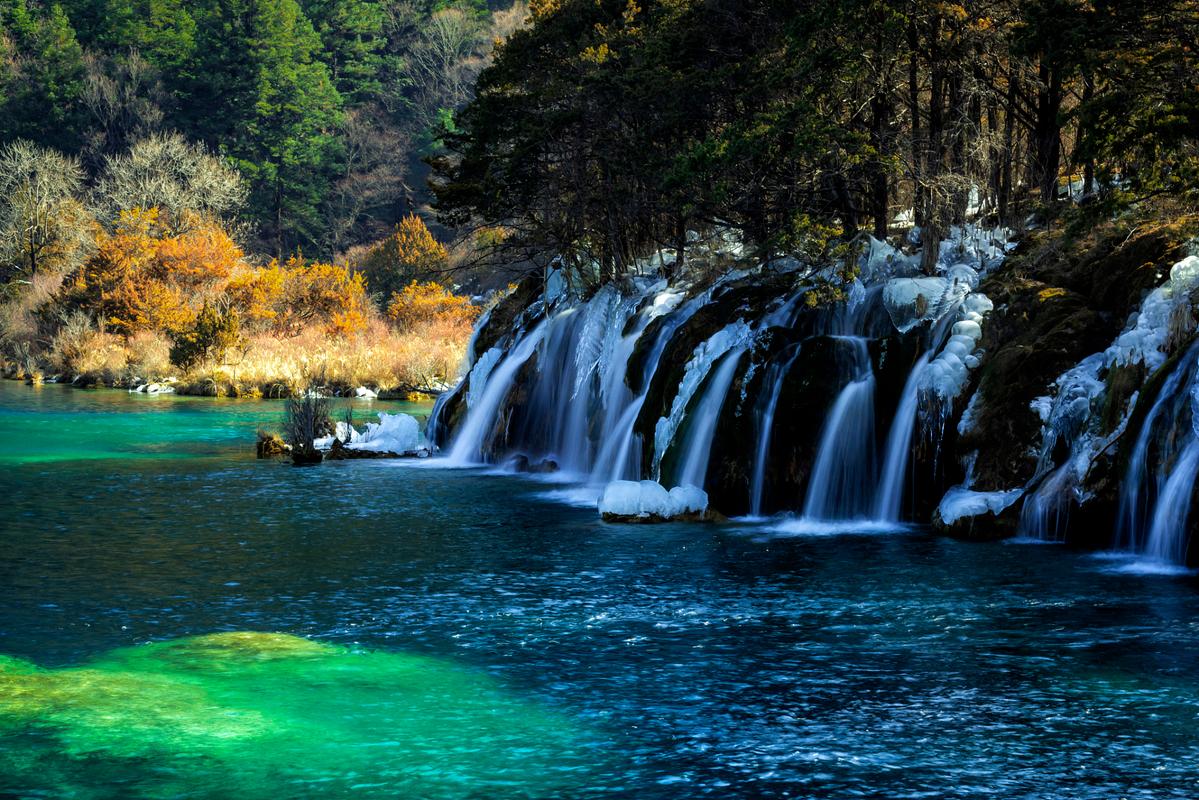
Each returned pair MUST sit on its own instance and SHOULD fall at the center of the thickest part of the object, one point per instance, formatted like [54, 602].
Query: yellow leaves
[256, 294]
[952, 11]
[596, 55]
[326, 293]
[409, 252]
[627, 31]
[540, 9]
[423, 304]
[1048, 294]
[630, 12]
[142, 278]
[203, 256]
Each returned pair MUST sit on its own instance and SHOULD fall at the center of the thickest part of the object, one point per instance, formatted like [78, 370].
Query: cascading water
[840, 486]
[774, 379]
[470, 441]
[888, 504]
[697, 447]
[1159, 483]
[1167, 540]
[587, 366]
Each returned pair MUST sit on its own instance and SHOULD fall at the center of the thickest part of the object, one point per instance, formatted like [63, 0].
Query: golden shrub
[327, 294]
[424, 304]
[409, 253]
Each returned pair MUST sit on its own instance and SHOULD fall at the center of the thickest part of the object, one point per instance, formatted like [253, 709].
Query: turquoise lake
[180, 619]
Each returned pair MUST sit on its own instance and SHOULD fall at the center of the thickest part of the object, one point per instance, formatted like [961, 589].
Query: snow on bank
[393, 433]
[649, 500]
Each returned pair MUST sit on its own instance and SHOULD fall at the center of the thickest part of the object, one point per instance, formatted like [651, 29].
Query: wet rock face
[503, 315]
[745, 299]
[1054, 306]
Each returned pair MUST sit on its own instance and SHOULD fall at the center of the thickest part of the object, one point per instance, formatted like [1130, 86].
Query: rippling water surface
[472, 638]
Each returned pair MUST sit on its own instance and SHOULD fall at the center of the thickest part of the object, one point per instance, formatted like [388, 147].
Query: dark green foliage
[209, 339]
[609, 128]
[291, 92]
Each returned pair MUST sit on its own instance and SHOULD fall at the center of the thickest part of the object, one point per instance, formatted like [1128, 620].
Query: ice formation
[651, 500]
[736, 334]
[393, 433]
[961, 502]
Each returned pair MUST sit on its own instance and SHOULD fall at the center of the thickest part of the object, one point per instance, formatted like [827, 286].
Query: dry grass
[396, 363]
[421, 359]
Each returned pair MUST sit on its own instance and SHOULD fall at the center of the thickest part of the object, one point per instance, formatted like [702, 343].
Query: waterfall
[617, 459]
[840, 484]
[1156, 493]
[734, 336]
[1135, 489]
[1046, 511]
[471, 438]
[1167, 539]
[774, 379]
[889, 503]
[588, 365]
[697, 446]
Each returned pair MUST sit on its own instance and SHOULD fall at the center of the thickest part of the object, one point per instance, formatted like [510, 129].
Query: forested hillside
[611, 128]
[231, 194]
[324, 106]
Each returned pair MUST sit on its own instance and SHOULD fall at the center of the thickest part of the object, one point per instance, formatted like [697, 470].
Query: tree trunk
[879, 199]
[1047, 140]
[914, 110]
[1009, 142]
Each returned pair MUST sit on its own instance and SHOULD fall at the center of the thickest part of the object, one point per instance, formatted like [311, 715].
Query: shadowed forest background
[242, 193]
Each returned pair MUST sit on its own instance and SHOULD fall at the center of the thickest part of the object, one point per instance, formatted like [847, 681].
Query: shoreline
[211, 387]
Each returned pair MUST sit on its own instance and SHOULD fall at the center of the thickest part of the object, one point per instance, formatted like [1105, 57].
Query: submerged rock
[257, 715]
[270, 445]
[521, 463]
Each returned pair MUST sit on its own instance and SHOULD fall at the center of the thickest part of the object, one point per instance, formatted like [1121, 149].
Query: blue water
[722, 661]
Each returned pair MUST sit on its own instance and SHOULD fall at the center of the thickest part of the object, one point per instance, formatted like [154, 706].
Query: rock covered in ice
[393, 433]
[968, 327]
[155, 388]
[881, 259]
[342, 431]
[480, 372]
[911, 301]
[649, 501]
[959, 503]
[364, 393]
[1145, 339]
[397, 434]
[949, 372]
[689, 500]
[736, 334]
[960, 275]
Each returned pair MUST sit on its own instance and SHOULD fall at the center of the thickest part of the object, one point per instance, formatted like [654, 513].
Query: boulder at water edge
[649, 501]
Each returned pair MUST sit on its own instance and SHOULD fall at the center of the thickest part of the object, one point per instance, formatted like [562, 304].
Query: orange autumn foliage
[315, 292]
[201, 258]
[142, 278]
[257, 295]
[421, 304]
[409, 253]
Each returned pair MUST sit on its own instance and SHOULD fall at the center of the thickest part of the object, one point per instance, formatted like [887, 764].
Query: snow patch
[651, 500]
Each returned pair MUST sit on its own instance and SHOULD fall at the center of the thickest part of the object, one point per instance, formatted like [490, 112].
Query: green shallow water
[256, 715]
[179, 619]
[58, 423]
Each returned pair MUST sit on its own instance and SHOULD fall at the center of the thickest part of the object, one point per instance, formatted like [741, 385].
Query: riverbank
[392, 365]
